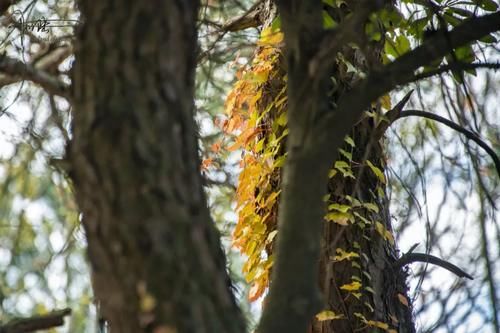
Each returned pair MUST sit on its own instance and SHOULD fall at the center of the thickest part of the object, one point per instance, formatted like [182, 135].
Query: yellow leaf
[270, 37]
[343, 255]
[380, 228]
[339, 207]
[353, 286]
[385, 102]
[357, 295]
[328, 315]
[379, 324]
[332, 173]
[339, 217]
[147, 302]
[388, 236]
[271, 236]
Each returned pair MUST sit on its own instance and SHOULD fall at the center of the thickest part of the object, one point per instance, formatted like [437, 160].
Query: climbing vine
[257, 120]
[256, 109]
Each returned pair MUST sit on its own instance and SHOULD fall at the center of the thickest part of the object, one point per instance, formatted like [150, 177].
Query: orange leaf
[206, 163]
[255, 291]
[215, 147]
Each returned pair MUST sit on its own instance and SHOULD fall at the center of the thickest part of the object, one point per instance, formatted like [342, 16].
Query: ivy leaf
[377, 172]
[339, 218]
[269, 37]
[339, 207]
[488, 5]
[343, 255]
[371, 206]
[349, 141]
[328, 315]
[328, 21]
[353, 286]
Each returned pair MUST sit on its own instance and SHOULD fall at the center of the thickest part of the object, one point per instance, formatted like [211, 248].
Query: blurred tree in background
[443, 187]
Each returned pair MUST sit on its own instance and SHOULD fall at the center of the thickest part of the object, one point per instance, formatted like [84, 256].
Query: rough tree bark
[156, 257]
[382, 299]
[315, 135]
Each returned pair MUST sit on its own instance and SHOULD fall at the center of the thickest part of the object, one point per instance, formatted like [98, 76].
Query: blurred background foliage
[443, 188]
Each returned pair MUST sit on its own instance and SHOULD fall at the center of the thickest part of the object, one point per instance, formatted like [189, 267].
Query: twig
[391, 116]
[456, 66]
[409, 258]
[17, 68]
[32, 324]
[250, 19]
[468, 134]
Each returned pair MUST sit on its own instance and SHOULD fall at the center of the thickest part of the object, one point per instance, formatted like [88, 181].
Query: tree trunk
[356, 275]
[156, 257]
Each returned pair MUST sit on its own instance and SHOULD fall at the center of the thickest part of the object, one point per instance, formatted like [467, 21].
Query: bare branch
[427, 258]
[468, 134]
[32, 324]
[456, 66]
[17, 70]
[250, 19]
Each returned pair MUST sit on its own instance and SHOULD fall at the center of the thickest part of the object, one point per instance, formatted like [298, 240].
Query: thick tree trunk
[156, 258]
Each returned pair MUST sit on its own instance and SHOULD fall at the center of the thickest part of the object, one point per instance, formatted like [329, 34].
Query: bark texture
[382, 299]
[156, 257]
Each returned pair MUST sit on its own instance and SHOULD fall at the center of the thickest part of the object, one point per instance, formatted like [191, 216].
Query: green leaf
[489, 39]
[339, 207]
[328, 21]
[451, 19]
[276, 25]
[282, 119]
[376, 171]
[349, 141]
[398, 46]
[371, 206]
[488, 5]
[346, 154]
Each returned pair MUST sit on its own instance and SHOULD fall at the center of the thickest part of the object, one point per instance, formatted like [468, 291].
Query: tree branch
[32, 324]
[401, 71]
[411, 257]
[456, 66]
[250, 19]
[468, 134]
[351, 30]
[17, 70]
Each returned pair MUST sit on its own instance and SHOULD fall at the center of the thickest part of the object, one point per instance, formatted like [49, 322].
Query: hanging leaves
[250, 106]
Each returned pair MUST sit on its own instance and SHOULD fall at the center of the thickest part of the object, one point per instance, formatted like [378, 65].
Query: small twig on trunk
[32, 324]
[409, 258]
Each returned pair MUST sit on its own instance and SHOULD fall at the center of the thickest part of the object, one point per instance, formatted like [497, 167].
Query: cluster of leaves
[398, 31]
[256, 109]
